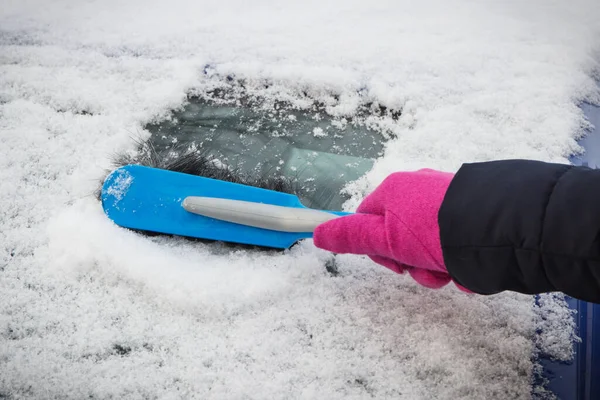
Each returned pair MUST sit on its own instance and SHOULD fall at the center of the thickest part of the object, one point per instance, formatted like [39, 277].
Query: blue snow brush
[174, 203]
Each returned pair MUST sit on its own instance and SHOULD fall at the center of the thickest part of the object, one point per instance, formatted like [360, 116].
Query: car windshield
[319, 153]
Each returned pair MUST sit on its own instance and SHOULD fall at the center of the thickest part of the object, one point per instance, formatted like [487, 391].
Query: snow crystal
[318, 132]
[557, 327]
[91, 310]
[219, 164]
[340, 124]
[120, 185]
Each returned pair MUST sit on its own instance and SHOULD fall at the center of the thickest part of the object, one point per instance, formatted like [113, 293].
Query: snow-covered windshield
[91, 310]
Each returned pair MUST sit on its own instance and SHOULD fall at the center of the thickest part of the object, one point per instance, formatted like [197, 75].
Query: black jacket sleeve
[525, 226]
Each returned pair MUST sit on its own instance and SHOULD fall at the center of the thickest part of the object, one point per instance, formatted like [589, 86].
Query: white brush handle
[259, 215]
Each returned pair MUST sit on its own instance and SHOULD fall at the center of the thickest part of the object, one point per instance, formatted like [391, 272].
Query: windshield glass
[319, 153]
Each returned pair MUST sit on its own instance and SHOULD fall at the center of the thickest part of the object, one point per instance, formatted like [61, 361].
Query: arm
[525, 226]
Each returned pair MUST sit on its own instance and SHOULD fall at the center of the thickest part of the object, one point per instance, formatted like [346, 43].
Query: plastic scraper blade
[152, 200]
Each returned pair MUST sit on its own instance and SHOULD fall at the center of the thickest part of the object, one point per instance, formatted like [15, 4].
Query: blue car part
[580, 378]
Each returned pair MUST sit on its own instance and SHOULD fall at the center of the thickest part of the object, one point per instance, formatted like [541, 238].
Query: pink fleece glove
[396, 226]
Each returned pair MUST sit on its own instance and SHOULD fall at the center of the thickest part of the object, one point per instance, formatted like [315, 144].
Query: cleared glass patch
[316, 152]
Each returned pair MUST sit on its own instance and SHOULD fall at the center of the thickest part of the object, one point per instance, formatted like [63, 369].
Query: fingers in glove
[356, 234]
[428, 278]
[389, 263]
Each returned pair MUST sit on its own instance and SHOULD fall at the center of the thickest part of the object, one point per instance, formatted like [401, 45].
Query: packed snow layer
[90, 310]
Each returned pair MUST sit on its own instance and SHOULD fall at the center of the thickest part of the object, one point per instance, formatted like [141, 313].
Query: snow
[557, 327]
[318, 132]
[89, 309]
[121, 185]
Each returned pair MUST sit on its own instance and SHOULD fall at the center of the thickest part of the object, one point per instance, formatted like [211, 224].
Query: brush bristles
[198, 163]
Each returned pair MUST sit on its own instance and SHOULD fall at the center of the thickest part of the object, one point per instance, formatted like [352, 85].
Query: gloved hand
[396, 226]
